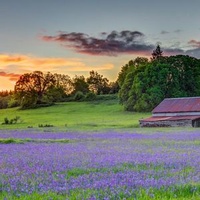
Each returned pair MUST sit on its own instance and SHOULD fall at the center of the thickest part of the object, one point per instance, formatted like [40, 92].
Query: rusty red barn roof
[174, 105]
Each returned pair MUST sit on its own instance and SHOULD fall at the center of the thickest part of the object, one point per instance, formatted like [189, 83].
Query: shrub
[79, 96]
[45, 125]
[6, 120]
[4, 102]
[28, 102]
[7, 141]
[11, 121]
[90, 96]
[13, 103]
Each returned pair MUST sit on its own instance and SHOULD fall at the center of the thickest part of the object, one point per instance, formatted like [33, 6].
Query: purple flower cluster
[119, 162]
[33, 134]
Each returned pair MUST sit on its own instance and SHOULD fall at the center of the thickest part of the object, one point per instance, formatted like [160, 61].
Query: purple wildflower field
[110, 161]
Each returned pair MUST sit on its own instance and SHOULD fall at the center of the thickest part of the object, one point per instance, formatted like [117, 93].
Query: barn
[173, 112]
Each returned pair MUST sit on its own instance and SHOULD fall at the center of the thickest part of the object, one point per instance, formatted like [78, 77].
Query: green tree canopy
[97, 83]
[129, 67]
[146, 85]
[80, 85]
[64, 82]
[31, 87]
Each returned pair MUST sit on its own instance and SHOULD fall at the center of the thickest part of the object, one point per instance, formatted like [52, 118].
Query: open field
[78, 116]
[95, 150]
[100, 165]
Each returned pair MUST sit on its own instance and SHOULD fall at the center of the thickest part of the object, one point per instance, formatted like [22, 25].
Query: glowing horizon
[76, 37]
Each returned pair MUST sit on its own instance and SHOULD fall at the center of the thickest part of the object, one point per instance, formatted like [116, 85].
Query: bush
[106, 97]
[4, 102]
[90, 96]
[79, 96]
[11, 121]
[45, 125]
[13, 103]
[6, 120]
[28, 102]
[7, 141]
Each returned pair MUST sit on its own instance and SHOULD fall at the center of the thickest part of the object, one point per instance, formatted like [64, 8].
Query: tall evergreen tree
[157, 53]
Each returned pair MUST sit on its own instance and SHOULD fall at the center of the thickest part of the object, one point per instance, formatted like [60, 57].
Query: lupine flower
[112, 162]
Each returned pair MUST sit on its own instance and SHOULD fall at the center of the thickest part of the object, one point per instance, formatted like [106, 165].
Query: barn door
[196, 123]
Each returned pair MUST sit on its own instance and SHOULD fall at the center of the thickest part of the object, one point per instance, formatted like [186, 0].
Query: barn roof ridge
[183, 98]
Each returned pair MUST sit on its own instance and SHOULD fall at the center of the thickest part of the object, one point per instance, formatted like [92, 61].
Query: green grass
[22, 141]
[10, 140]
[78, 116]
[186, 192]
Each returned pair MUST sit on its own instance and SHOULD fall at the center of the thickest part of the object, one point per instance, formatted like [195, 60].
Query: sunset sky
[77, 36]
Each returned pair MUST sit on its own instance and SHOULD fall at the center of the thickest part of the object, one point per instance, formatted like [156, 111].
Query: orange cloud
[85, 68]
[14, 65]
[23, 64]
[11, 76]
[26, 62]
[11, 58]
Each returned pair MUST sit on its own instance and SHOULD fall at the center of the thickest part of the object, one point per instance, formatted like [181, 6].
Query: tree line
[38, 89]
[145, 83]
[141, 84]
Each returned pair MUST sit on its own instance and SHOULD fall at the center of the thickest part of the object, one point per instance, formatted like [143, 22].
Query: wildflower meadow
[100, 165]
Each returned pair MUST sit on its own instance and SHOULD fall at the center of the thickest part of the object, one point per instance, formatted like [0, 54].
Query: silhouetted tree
[157, 53]
[114, 87]
[5, 93]
[63, 82]
[31, 87]
[80, 85]
[97, 83]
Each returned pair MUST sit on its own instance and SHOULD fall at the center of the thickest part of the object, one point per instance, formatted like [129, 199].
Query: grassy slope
[95, 115]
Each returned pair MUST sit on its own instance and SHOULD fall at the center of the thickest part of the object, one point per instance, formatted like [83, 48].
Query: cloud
[167, 32]
[116, 43]
[25, 61]
[164, 32]
[109, 44]
[11, 58]
[193, 52]
[85, 68]
[178, 31]
[21, 64]
[194, 43]
[11, 76]
[173, 51]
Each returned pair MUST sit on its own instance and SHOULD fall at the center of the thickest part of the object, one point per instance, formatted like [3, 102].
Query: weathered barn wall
[166, 123]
